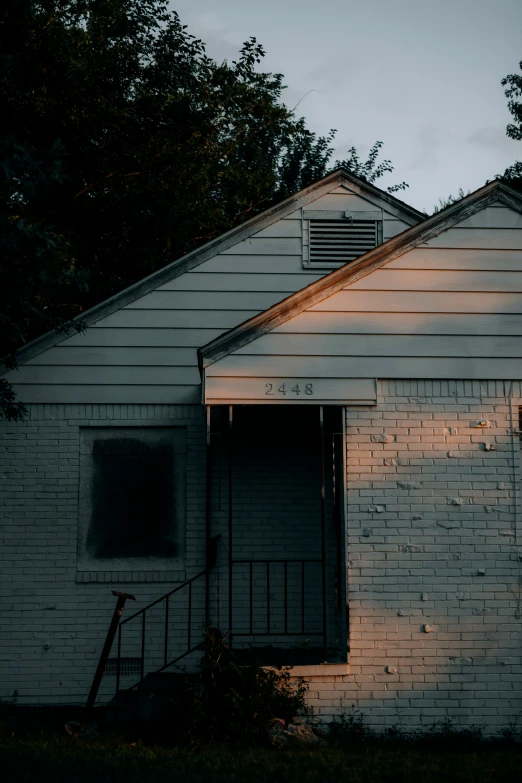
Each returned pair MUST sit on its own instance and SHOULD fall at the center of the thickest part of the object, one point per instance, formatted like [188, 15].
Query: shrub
[233, 702]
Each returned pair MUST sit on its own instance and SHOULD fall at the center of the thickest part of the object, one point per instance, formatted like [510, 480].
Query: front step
[159, 693]
[122, 708]
[152, 700]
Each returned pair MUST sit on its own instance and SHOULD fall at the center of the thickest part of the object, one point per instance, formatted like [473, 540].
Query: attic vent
[334, 242]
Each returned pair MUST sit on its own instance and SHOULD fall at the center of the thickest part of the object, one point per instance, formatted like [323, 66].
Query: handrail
[270, 629]
[163, 597]
[142, 613]
[287, 614]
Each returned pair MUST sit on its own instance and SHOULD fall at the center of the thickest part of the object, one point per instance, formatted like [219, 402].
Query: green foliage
[446, 202]
[39, 280]
[235, 703]
[60, 759]
[350, 729]
[12, 410]
[124, 146]
[513, 92]
[370, 170]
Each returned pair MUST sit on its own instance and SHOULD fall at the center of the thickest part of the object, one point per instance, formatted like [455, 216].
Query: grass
[53, 758]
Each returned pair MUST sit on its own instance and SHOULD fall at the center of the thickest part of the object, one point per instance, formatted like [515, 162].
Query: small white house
[307, 434]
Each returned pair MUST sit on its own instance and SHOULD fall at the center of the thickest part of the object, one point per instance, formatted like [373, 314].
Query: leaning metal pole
[118, 611]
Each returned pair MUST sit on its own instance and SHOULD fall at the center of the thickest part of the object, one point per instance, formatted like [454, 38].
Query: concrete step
[159, 692]
[122, 708]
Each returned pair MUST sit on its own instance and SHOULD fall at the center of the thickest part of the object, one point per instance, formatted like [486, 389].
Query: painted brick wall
[433, 535]
[433, 544]
[53, 618]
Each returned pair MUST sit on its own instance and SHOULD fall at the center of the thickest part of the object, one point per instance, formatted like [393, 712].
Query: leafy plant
[513, 92]
[349, 728]
[370, 170]
[446, 202]
[233, 702]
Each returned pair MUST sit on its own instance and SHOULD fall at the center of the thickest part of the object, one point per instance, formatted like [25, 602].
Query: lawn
[61, 759]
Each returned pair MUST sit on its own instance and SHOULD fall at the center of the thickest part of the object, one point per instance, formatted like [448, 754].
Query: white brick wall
[432, 541]
[415, 549]
[53, 619]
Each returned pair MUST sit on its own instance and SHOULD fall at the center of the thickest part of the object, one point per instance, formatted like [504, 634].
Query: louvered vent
[334, 242]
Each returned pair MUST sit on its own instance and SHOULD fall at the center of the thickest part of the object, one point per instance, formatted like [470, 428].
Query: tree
[513, 92]
[125, 146]
[370, 170]
[38, 274]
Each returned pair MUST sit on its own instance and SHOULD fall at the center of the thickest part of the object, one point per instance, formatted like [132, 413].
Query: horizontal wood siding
[460, 259]
[315, 322]
[498, 238]
[389, 324]
[169, 319]
[105, 393]
[391, 228]
[133, 338]
[494, 217]
[291, 227]
[92, 375]
[390, 279]
[109, 356]
[147, 351]
[421, 302]
[230, 282]
[270, 246]
[209, 300]
[382, 345]
[343, 201]
[254, 264]
[317, 367]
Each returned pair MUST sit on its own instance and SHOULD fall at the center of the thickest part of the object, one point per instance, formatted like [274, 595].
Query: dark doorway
[277, 505]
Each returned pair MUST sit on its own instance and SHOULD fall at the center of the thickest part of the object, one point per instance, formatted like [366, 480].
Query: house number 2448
[286, 388]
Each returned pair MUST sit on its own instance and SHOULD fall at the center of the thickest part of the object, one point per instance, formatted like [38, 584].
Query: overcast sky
[422, 76]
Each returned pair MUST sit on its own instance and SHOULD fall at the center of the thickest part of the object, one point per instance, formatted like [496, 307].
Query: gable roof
[316, 292]
[201, 254]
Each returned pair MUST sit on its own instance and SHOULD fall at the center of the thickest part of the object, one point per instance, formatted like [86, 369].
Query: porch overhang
[225, 389]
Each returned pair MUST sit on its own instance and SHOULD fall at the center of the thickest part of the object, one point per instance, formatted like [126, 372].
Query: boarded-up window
[133, 487]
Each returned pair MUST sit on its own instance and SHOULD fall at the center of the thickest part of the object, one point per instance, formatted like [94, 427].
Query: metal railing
[186, 609]
[297, 611]
[293, 618]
